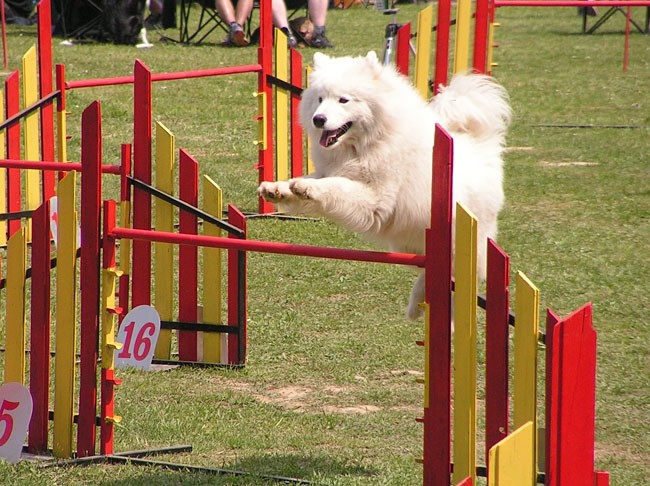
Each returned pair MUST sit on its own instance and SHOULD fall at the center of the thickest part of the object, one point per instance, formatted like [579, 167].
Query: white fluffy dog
[372, 138]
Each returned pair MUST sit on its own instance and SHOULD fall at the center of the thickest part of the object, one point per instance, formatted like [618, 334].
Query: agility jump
[565, 432]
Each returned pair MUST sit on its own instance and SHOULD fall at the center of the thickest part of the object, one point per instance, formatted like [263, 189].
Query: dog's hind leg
[414, 310]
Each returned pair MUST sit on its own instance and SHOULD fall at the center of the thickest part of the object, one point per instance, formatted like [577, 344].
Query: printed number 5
[7, 419]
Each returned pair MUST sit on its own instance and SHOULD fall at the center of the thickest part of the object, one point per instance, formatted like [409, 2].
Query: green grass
[329, 392]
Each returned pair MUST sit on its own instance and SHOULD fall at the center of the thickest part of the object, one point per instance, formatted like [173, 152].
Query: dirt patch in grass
[307, 398]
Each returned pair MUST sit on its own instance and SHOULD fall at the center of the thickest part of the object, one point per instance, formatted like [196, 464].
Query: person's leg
[279, 14]
[243, 10]
[318, 12]
[227, 12]
[318, 15]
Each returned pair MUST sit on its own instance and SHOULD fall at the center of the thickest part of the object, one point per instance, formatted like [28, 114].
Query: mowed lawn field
[329, 393]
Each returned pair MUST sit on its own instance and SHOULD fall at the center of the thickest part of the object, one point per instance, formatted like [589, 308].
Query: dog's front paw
[303, 188]
[274, 192]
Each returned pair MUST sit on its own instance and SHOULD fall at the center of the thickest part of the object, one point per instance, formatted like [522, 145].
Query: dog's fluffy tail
[475, 104]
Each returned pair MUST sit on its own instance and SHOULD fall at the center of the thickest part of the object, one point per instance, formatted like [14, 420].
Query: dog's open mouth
[330, 137]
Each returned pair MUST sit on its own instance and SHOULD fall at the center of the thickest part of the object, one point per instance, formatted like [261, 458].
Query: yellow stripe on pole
[310, 160]
[62, 136]
[490, 47]
[261, 120]
[3, 174]
[525, 357]
[164, 252]
[465, 278]
[463, 22]
[212, 278]
[109, 328]
[31, 135]
[15, 325]
[281, 107]
[423, 50]
[512, 458]
[66, 338]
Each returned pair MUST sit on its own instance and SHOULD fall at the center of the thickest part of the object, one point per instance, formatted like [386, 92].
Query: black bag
[117, 21]
[123, 20]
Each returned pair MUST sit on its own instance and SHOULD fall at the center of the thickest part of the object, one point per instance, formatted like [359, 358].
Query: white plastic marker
[54, 222]
[15, 414]
[138, 334]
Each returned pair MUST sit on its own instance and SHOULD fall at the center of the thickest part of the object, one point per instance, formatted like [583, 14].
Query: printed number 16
[142, 344]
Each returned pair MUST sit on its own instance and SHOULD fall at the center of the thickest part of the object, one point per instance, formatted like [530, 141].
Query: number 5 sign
[138, 334]
[15, 414]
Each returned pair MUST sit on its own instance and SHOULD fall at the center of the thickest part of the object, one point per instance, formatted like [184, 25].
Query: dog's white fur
[375, 178]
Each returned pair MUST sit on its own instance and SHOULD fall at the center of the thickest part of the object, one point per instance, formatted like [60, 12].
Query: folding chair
[208, 22]
[643, 29]
[77, 19]
[294, 7]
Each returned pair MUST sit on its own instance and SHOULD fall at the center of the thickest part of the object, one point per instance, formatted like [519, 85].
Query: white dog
[372, 138]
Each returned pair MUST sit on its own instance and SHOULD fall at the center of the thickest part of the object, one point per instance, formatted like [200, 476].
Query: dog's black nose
[319, 121]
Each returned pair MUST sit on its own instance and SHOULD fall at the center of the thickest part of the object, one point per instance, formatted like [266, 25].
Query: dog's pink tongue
[327, 137]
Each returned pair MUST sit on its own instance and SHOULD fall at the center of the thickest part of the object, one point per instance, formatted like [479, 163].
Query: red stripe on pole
[551, 378]
[572, 3]
[481, 36]
[47, 166]
[497, 313]
[141, 268]
[574, 399]
[171, 76]
[296, 128]
[46, 85]
[437, 416]
[403, 52]
[626, 48]
[39, 358]
[237, 293]
[91, 191]
[188, 258]
[272, 247]
[265, 58]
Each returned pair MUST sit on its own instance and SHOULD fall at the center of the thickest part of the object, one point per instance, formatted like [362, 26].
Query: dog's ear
[320, 59]
[372, 57]
[373, 63]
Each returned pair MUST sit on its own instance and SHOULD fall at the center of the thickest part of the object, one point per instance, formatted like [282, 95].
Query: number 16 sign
[138, 334]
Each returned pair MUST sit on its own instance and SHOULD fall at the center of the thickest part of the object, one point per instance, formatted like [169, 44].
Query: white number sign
[138, 334]
[15, 414]
[54, 222]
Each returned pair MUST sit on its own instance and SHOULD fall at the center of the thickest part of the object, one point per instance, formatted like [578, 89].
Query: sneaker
[236, 36]
[319, 41]
[291, 39]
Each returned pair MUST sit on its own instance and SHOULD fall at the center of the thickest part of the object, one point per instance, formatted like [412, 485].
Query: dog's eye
[320, 99]
[343, 100]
